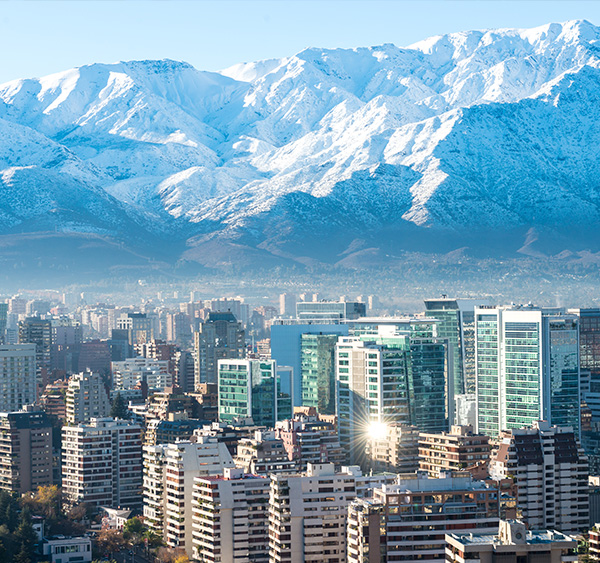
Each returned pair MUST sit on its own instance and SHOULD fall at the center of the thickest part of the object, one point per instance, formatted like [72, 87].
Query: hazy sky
[42, 37]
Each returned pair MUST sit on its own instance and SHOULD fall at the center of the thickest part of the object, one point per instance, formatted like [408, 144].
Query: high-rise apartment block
[550, 473]
[25, 451]
[102, 463]
[138, 326]
[169, 473]
[18, 381]
[310, 440]
[220, 337]
[307, 515]
[456, 450]
[408, 521]
[230, 518]
[86, 398]
[527, 363]
[287, 304]
[393, 447]
[263, 454]
[131, 372]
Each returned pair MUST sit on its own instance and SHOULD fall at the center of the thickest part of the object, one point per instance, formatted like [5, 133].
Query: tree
[133, 530]
[119, 408]
[109, 541]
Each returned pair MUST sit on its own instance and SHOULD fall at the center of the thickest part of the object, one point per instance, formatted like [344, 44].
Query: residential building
[318, 371]
[527, 363]
[550, 472]
[263, 454]
[220, 337]
[53, 400]
[138, 326]
[18, 380]
[513, 543]
[25, 451]
[169, 473]
[393, 447]
[102, 464]
[287, 304]
[310, 440]
[61, 549]
[407, 521]
[86, 398]
[131, 372]
[176, 427]
[457, 450]
[230, 518]
[307, 515]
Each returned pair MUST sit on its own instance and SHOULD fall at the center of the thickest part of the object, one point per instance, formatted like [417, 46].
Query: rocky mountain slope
[482, 142]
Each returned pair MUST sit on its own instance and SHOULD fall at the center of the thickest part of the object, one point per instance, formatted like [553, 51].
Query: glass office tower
[527, 363]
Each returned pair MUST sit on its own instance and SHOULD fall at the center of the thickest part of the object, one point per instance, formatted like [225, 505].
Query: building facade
[86, 398]
[527, 363]
[18, 379]
[102, 464]
[25, 451]
[550, 472]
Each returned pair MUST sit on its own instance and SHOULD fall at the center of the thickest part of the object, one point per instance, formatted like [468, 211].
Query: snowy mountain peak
[489, 131]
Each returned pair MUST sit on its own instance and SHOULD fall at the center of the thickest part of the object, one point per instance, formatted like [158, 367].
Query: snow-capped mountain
[485, 140]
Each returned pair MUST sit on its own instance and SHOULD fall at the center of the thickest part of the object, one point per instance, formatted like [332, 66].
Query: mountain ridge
[462, 142]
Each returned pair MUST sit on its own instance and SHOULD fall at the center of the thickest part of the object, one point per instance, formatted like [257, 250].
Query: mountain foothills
[482, 144]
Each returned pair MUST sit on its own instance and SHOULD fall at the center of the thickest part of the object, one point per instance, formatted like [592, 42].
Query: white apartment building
[169, 473]
[102, 463]
[86, 398]
[550, 471]
[307, 515]
[17, 376]
[131, 372]
[230, 518]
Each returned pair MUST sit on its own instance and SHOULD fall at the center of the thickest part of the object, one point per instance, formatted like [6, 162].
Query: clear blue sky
[41, 37]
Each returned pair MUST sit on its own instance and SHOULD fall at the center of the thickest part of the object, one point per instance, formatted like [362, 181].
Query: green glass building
[248, 389]
[318, 371]
[527, 369]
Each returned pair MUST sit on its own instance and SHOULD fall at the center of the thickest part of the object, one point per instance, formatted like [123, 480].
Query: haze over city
[299, 282]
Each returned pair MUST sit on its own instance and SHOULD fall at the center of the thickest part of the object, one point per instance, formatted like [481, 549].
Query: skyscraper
[286, 345]
[248, 389]
[34, 330]
[3, 319]
[221, 336]
[393, 379]
[457, 325]
[318, 371]
[527, 368]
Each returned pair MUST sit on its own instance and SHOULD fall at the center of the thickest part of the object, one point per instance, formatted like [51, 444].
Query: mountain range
[479, 143]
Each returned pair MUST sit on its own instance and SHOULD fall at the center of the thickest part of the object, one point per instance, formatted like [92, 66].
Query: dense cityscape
[211, 429]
